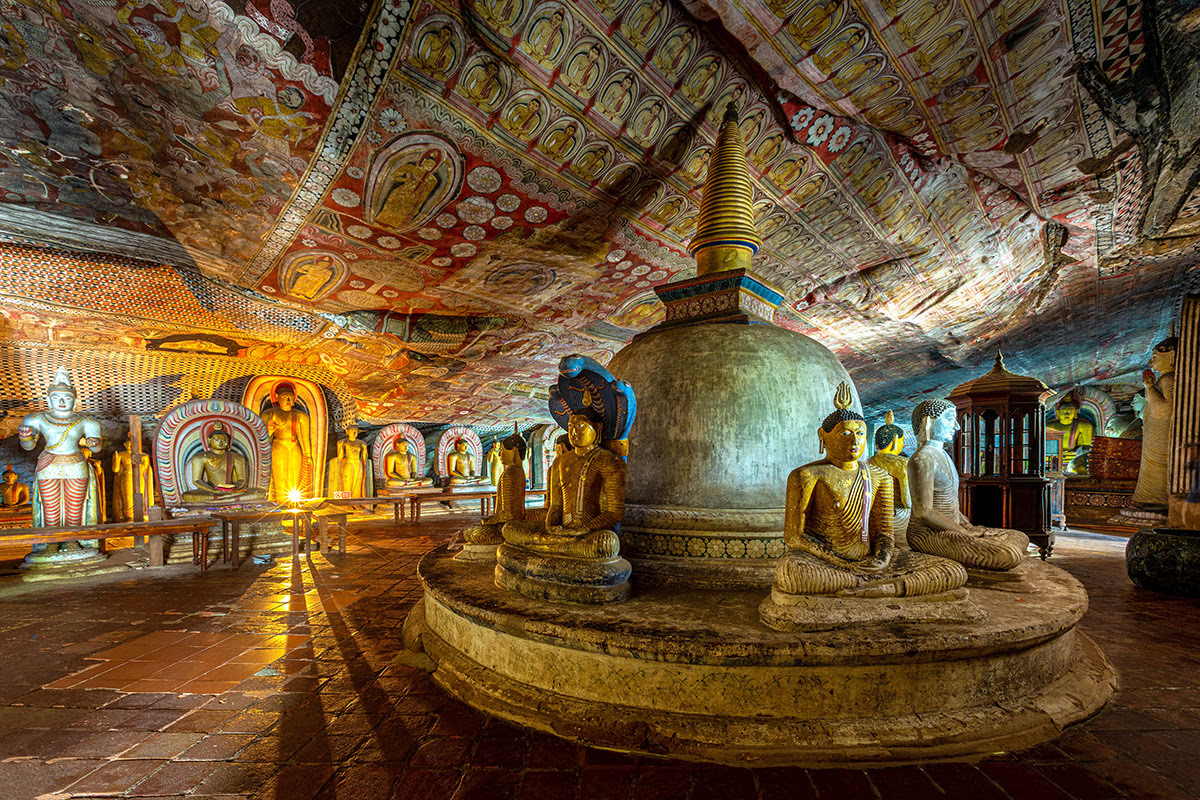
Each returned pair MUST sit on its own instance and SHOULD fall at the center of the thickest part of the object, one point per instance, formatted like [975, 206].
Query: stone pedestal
[562, 579]
[694, 674]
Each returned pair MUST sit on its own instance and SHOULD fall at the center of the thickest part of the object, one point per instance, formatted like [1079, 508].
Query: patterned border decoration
[385, 441]
[635, 543]
[186, 420]
[447, 442]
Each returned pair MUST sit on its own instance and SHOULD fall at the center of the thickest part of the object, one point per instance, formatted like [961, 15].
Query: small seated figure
[838, 525]
[14, 495]
[400, 468]
[460, 464]
[1077, 434]
[482, 539]
[573, 554]
[889, 442]
[937, 526]
[220, 473]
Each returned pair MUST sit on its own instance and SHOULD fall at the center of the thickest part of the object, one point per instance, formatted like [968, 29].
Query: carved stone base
[477, 552]
[793, 612]
[694, 674]
[1005, 580]
[561, 579]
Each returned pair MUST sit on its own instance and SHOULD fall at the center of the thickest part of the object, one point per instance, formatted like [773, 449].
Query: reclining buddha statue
[572, 553]
[937, 526]
[482, 538]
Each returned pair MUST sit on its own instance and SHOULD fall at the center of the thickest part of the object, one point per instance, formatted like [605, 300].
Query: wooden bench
[396, 501]
[233, 519]
[486, 498]
[154, 530]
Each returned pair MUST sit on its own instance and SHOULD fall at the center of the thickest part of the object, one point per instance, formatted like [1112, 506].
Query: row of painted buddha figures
[840, 525]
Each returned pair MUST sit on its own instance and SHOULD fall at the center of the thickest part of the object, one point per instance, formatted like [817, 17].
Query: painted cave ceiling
[433, 201]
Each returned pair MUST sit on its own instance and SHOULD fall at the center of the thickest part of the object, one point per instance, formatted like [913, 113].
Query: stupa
[728, 405]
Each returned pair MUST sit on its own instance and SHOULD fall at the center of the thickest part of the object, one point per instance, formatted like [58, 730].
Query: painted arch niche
[411, 180]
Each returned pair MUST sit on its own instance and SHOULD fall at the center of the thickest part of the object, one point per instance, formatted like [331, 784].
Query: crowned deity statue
[14, 495]
[1077, 434]
[64, 491]
[400, 468]
[125, 476]
[1157, 414]
[219, 473]
[937, 526]
[889, 457]
[483, 538]
[349, 470]
[460, 464]
[838, 525]
[291, 463]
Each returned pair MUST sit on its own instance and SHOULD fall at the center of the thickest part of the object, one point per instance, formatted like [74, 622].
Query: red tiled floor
[294, 693]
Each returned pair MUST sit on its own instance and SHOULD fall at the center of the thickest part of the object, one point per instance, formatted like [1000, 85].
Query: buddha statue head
[9, 475]
[889, 437]
[583, 430]
[352, 432]
[400, 445]
[460, 446]
[285, 396]
[843, 434]
[935, 420]
[1162, 359]
[512, 450]
[1067, 409]
[217, 437]
[60, 396]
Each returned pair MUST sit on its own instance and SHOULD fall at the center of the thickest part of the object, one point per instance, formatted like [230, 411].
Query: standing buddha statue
[124, 481]
[937, 526]
[482, 539]
[889, 444]
[291, 464]
[1153, 480]
[348, 471]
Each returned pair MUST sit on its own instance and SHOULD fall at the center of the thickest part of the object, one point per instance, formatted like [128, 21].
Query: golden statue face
[1162, 361]
[846, 442]
[1066, 414]
[582, 432]
[10, 477]
[218, 442]
[352, 433]
[285, 400]
[460, 446]
[401, 445]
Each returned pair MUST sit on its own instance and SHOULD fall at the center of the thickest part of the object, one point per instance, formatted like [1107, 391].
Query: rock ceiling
[436, 200]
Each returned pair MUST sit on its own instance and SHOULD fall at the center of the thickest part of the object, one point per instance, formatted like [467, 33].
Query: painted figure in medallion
[411, 188]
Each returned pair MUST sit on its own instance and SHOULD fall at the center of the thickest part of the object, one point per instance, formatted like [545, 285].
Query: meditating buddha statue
[1077, 434]
[400, 468]
[291, 462]
[937, 526]
[14, 495]
[573, 554]
[460, 464]
[537, 516]
[1153, 477]
[349, 470]
[889, 444]
[125, 475]
[483, 538]
[221, 475]
[838, 525]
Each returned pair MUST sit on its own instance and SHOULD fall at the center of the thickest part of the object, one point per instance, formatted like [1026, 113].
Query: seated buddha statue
[838, 525]
[572, 554]
[220, 474]
[482, 539]
[460, 464]
[937, 526]
[889, 442]
[1077, 434]
[537, 516]
[400, 468]
[14, 495]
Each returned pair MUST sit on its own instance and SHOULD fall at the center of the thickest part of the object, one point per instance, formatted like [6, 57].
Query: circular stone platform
[694, 674]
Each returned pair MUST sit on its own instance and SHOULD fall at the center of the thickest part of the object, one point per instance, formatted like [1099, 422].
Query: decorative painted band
[696, 247]
[734, 522]
[688, 545]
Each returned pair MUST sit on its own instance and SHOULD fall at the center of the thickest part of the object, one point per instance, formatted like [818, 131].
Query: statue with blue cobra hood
[572, 553]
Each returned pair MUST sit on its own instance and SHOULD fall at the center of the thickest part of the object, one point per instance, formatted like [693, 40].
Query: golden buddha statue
[124, 479]
[937, 526]
[400, 468]
[460, 464]
[889, 444]
[572, 552]
[349, 469]
[1157, 413]
[482, 539]
[220, 474]
[495, 465]
[291, 464]
[1077, 434]
[838, 525]
[14, 495]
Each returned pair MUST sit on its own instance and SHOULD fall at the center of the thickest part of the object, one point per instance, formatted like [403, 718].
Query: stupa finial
[999, 365]
[726, 236]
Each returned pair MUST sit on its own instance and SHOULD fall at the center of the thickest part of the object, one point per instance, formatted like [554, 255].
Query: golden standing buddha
[838, 525]
[124, 476]
[291, 463]
[937, 526]
[482, 539]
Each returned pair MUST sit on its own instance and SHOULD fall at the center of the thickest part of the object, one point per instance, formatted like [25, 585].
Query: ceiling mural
[436, 200]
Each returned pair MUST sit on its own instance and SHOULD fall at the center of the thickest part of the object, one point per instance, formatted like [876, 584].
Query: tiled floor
[284, 683]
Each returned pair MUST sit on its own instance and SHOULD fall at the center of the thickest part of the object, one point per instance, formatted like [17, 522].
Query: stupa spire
[726, 236]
